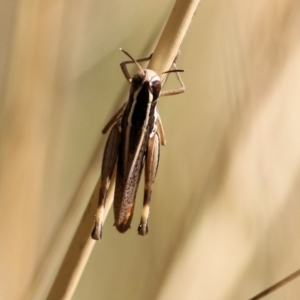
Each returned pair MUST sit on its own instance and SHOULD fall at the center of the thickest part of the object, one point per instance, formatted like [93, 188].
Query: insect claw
[97, 232]
[143, 228]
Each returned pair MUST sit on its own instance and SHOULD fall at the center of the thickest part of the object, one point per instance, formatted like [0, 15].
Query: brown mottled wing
[128, 177]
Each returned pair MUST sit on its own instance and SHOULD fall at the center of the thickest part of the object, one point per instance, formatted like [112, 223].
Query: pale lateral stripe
[148, 110]
[129, 124]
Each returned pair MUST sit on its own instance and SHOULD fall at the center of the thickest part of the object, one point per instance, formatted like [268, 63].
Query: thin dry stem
[163, 56]
[276, 286]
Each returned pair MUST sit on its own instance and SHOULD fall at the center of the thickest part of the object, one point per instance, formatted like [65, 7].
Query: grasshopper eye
[155, 88]
[137, 80]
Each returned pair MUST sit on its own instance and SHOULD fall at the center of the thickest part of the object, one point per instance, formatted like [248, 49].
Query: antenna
[139, 66]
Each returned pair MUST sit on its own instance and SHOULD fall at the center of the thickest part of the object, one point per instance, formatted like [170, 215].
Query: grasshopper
[134, 141]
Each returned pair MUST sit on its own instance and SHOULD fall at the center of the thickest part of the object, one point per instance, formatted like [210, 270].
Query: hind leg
[151, 165]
